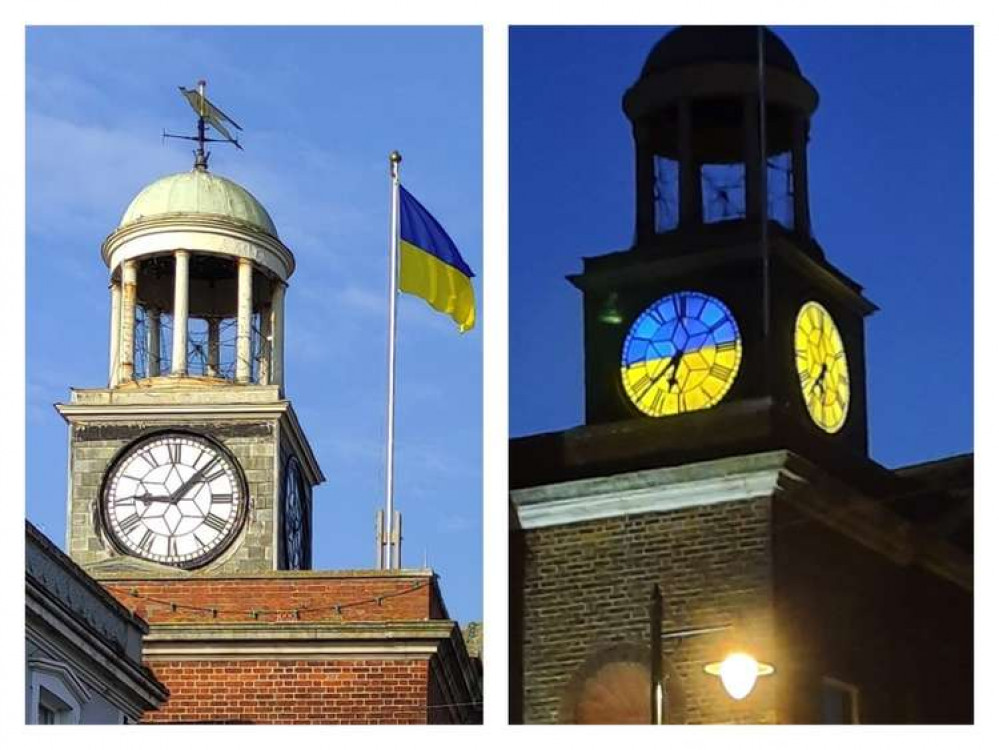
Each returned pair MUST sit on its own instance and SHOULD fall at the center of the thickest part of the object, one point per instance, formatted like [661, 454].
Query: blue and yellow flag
[430, 265]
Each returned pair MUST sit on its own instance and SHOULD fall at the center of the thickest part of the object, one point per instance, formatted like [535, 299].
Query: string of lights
[258, 612]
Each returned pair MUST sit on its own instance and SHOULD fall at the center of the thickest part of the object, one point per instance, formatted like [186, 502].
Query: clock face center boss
[175, 498]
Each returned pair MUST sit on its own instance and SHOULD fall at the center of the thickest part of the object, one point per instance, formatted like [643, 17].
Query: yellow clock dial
[823, 373]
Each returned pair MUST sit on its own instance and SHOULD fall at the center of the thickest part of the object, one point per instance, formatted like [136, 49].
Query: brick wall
[586, 589]
[94, 447]
[899, 633]
[294, 692]
[314, 594]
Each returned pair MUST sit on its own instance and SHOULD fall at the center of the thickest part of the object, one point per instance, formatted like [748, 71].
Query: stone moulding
[654, 490]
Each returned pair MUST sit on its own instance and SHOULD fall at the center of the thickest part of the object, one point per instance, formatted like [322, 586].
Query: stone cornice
[129, 408]
[294, 641]
[654, 490]
[200, 234]
[166, 573]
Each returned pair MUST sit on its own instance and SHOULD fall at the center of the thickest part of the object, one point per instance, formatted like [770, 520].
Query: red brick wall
[293, 692]
[234, 598]
[334, 691]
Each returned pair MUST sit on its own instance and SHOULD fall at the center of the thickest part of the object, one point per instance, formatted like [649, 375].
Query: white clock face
[174, 498]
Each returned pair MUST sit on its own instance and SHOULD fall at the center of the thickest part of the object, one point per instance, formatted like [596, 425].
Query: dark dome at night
[697, 45]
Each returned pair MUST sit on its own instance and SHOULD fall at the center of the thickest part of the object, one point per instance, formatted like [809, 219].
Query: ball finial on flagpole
[395, 157]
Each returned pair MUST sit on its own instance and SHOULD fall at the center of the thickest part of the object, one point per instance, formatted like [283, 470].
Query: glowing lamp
[738, 673]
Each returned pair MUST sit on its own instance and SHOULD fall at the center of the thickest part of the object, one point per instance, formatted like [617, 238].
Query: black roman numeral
[720, 371]
[173, 450]
[130, 523]
[149, 458]
[215, 522]
[146, 543]
[172, 547]
[725, 346]
[222, 497]
[657, 400]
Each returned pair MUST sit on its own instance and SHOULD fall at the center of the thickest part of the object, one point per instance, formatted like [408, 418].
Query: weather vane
[208, 114]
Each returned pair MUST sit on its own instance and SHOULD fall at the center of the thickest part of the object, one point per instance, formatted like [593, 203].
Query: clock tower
[191, 458]
[724, 455]
[725, 318]
[190, 489]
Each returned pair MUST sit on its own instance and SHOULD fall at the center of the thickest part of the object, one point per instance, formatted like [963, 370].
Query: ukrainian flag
[430, 265]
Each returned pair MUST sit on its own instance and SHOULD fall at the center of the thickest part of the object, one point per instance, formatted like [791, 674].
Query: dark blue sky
[890, 171]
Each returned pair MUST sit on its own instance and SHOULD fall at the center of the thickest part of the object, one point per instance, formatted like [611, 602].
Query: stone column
[276, 373]
[799, 172]
[126, 353]
[152, 342]
[244, 321]
[756, 186]
[180, 291]
[690, 174]
[213, 348]
[266, 346]
[113, 366]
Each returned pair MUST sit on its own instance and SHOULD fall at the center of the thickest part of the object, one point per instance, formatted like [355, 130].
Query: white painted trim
[199, 234]
[654, 490]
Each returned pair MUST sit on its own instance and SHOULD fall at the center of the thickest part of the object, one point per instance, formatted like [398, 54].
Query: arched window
[612, 687]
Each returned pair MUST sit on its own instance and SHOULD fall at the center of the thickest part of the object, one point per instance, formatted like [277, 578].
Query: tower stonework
[190, 491]
[724, 452]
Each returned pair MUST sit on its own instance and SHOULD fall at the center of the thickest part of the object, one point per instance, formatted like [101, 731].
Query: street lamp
[738, 671]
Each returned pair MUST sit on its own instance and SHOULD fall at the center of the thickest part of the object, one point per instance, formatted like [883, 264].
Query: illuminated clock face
[681, 354]
[822, 368]
[174, 498]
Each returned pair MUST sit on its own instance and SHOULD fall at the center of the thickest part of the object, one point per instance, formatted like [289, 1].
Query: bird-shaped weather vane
[208, 114]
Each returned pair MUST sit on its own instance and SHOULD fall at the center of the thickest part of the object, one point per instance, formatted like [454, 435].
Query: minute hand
[196, 477]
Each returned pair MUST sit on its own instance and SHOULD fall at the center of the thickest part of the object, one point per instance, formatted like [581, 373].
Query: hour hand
[179, 493]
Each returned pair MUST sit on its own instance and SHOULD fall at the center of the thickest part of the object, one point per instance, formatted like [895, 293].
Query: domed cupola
[198, 275]
[198, 192]
[696, 117]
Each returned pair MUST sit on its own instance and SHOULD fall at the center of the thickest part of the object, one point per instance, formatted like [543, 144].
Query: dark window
[839, 702]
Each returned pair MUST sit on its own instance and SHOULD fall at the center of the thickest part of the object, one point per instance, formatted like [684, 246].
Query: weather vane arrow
[208, 115]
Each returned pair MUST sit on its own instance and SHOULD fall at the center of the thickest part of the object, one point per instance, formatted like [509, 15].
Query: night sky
[890, 172]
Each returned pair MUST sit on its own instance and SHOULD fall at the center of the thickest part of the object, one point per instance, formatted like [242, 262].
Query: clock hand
[820, 380]
[672, 362]
[178, 495]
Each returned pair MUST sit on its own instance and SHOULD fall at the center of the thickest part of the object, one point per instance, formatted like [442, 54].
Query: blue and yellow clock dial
[681, 354]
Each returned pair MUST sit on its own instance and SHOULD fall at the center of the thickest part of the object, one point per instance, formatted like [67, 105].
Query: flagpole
[395, 158]
[765, 194]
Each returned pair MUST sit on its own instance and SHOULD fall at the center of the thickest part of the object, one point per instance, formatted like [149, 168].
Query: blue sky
[890, 173]
[321, 108]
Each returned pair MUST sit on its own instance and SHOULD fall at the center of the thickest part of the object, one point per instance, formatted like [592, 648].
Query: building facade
[83, 649]
[724, 455]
